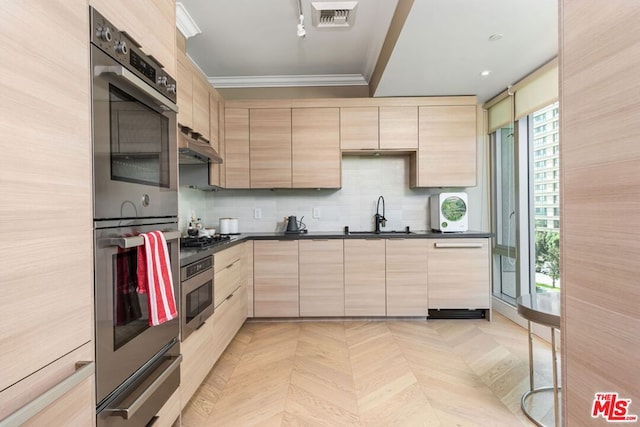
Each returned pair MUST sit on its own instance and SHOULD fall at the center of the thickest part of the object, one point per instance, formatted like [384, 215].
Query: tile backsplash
[363, 180]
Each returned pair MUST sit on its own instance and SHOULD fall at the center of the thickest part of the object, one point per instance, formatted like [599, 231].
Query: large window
[526, 205]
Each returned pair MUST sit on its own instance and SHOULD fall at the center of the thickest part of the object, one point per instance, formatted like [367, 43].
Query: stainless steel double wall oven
[135, 191]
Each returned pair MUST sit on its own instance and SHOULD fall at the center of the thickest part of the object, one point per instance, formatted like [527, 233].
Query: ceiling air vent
[333, 14]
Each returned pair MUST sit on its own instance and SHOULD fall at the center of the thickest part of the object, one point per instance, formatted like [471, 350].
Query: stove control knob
[162, 81]
[104, 34]
[121, 47]
[171, 88]
[145, 200]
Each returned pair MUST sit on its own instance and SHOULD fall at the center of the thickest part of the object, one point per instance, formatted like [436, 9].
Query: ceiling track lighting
[302, 33]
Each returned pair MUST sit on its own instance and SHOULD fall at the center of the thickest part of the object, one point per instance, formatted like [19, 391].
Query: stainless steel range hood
[194, 151]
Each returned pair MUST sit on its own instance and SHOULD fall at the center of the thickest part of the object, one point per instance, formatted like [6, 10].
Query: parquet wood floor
[372, 373]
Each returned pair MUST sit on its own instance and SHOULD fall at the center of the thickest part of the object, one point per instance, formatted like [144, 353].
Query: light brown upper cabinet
[184, 83]
[214, 128]
[447, 147]
[379, 128]
[270, 147]
[236, 147]
[359, 128]
[398, 128]
[201, 115]
[315, 135]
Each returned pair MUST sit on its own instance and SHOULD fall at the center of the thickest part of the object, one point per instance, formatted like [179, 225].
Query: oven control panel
[124, 49]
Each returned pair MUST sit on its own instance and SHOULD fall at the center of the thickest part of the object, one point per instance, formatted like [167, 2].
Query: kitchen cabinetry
[46, 309]
[446, 154]
[270, 147]
[230, 272]
[236, 148]
[197, 359]
[151, 23]
[249, 257]
[406, 273]
[364, 277]
[193, 99]
[398, 128]
[184, 84]
[379, 128]
[316, 153]
[458, 274]
[275, 278]
[321, 264]
[359, 128]
[203, 347]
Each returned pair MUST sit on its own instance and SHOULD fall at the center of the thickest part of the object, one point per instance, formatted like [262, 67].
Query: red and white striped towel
[154, 278]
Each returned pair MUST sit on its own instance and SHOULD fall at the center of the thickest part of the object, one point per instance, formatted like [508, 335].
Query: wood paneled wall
[600, 163]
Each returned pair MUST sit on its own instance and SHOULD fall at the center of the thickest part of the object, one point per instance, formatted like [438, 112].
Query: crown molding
[289, 81]
[185, 23]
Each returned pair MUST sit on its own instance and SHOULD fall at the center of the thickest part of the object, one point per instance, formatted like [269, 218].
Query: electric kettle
[294, 226]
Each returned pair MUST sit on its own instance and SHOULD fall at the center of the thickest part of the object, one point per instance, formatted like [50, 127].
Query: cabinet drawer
[197, 360]
[226, 257]
[228, 280]
[228, 319]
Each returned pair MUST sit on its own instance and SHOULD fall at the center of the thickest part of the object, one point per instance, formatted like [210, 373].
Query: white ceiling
[441, 50]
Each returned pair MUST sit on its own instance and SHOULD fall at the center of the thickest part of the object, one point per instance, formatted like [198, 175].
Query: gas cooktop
[203, 242]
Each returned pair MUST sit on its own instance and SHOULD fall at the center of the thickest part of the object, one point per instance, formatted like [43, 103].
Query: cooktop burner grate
[203, 241]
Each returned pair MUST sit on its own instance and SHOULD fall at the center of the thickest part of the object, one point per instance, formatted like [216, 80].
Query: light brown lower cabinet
[275, 278]
[406, 273]
[364, 277]
[23, 403]
[321, 264]
[248, 253]
[197, 359]
[203, 347]
[459, 276]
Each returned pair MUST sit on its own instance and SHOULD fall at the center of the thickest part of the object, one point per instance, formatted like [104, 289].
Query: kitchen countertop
[189, 255]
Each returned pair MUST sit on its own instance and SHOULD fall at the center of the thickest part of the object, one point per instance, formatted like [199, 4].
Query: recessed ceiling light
[485, 73]
[495, 37]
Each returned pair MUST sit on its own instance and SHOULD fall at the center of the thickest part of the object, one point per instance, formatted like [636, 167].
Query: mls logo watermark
[612, 408]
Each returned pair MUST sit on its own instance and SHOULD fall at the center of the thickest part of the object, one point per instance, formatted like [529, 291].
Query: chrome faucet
[380, 220]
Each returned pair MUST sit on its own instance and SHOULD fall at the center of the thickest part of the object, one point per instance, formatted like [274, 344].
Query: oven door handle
[126, 75]
[135, 241]
[128, 412]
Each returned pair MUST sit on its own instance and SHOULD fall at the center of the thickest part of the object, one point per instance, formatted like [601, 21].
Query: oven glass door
[139, 148]
[124, 339]
[198, 300]
[134, 145]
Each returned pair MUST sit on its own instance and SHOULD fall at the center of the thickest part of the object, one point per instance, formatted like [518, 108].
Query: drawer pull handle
[201, 325]
[232, 264]
[229, 297]
[83, 371]
[453, 245]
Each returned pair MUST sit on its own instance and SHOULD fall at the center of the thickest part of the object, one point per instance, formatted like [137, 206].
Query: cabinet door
[230, 272]
[406, 277]
[197, 359]
[214, 117]
[398, 128]
[364, 281]
[359, 128]
[321, 278]
[201, 105]
[316, 147]
[236, 147]
[459, 273]
[270, 147]
[275, 278]
[151, 23]
[184, 85]
[46, 307]
[447, 146]
[228, 319]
